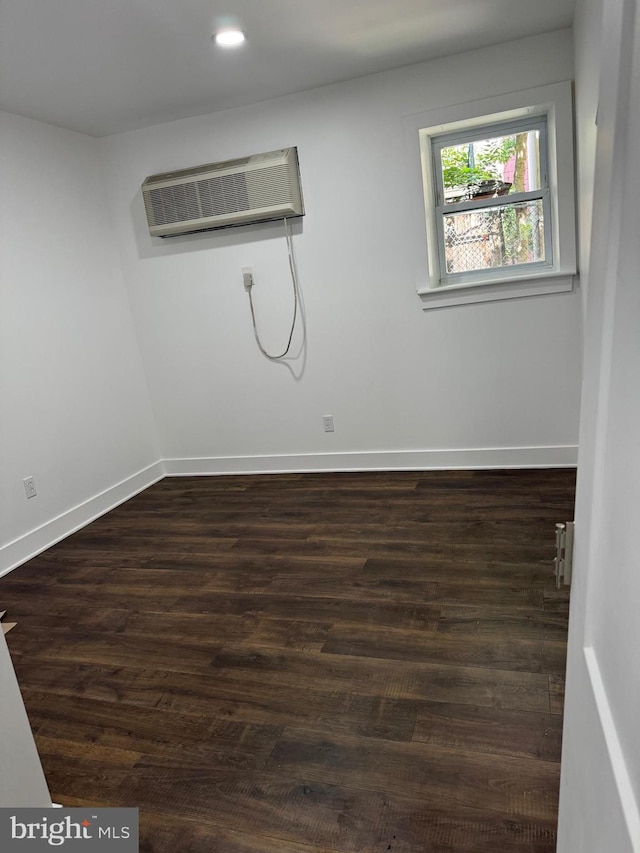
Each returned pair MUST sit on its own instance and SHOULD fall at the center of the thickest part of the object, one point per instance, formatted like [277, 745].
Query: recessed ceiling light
[229, 38]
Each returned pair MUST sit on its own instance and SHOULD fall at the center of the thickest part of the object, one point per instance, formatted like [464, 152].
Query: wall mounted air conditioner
[235, 192]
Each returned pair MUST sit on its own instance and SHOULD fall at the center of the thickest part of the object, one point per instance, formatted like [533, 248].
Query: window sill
[492, 291]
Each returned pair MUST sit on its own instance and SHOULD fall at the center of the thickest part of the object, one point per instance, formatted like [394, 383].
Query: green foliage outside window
[469, 164]
[513, 232]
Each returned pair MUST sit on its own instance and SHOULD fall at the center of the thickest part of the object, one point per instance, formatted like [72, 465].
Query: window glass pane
[494, 237]
[488, 167]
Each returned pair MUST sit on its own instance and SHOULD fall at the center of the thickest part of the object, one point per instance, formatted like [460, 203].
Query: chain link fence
[494, 237]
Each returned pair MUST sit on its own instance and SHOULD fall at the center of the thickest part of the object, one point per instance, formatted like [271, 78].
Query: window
[492, 200]
[496, 209]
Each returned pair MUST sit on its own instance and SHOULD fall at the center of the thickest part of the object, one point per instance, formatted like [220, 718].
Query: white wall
[503, 375]
[600, 785]
[587, 35]
[74, 407]
[488, 384]
[22, 782]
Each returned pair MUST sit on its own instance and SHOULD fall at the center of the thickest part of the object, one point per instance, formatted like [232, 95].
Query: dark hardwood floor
[306, 663]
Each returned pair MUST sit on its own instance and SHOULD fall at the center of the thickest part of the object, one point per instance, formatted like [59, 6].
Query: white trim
[25, 547]
[440, 208]
[628, 804]
[384, 460]
[14, 553]
[555, 101]
[464, 294]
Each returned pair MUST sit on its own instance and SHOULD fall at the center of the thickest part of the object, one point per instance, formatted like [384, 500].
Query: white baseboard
[35, 541]
[389, 460]
[624, 786]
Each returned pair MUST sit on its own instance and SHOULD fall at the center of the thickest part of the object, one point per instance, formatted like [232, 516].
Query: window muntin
[492, 200]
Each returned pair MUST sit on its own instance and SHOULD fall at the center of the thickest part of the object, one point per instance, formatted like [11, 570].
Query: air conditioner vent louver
[236, 192]
[174, 204]
[226, 194]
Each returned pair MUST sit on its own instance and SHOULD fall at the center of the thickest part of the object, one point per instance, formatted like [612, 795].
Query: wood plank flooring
[312, 663]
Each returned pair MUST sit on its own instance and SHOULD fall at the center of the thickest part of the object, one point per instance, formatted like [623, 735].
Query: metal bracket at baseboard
[563, 561]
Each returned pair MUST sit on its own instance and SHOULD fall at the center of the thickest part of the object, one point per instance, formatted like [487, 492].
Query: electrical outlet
[327, 422]
[30, 487]
[247, 277]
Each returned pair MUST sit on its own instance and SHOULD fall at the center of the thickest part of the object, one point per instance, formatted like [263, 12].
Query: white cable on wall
[294, 280]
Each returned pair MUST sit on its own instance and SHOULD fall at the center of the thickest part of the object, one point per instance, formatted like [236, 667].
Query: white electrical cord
[294, 281]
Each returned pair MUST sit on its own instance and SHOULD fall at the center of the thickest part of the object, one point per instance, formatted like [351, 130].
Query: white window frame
[443, 208]
[558, 272]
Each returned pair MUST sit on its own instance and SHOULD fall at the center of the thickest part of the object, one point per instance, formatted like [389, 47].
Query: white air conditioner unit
[235, 192]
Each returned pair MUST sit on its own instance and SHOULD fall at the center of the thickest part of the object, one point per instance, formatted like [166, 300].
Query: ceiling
[104, 66]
